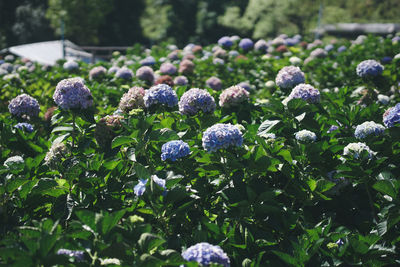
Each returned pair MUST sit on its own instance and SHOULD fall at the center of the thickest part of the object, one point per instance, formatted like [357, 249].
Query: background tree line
[124, 22]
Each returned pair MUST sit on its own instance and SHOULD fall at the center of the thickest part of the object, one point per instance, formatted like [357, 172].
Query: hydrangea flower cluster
[104, 132]
[290, 76]
[333, 128]
[181, 80]
[245, 85]
[148, 61]
[113, 69]
[225, 41]
[214, 83]
[261, 45]
[73, 94]
[369, 68]
[160, 94]
[368, 128]
[220, 136]
[318, 53]
[233, 96]
[145, 73]
[124, 73]
[133, 99]
[168, 68]
[70, 65]
[14, 163]
[56, 154]
[186, 66]
[206, 254]
[140, 188]
[8, 67]
[392, 116]
[24, 105]
[76, 254]
[305, 136]
[195, 100]
[24, 126]
[305, 92]
[97, 72]
[355, 149]
[246, 44]
[174, 150]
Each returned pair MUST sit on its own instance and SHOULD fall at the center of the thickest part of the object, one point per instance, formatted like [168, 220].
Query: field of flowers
[274, 153]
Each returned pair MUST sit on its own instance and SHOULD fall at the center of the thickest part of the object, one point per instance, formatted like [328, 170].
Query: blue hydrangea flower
[76, 254]
[24, 126]
[113, 69]
[246, 44]
[305, 136]
[368, 128]
[355, 149]
[292, 41]
[333, 128]
[24, 105]
[195, 100]
[148, 61]
[73, 94]
[206, 254]
[124, 73]
[245, 85]
[369, 68]
[329, 47]
[341, 49]
[214, 83]
[140, 188]
[225, 41]
[261, 45]
[305, 92]
[386, 60]
[160, 94]
[160, 182]
[220, 136]
[289, 76]
[181, 80]
[392, 116]
[174, 150]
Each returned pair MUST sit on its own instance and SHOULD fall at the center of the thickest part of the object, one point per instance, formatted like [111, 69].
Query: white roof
[49, 52]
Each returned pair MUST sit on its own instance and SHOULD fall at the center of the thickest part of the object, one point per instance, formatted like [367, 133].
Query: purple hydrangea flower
[341, 49]
[233, 53]
[328, 47]
[214, 83]
[318, 53]
[220, 136]
[174, 150]
[392, 116]
[181, 80]
[168, 68]
[113, 69]
[355, 149]
[261, 45]
[246, 44]
[218, 61]
[368, 128]
[245, 85]
[73, 94]
[333, 128]
[24, 105]
[76, 254]
[196, 100]
[369, 68]
[145, 73]
[289, 76]
[206, 254]
[97, 72]
[140, 188]
[23, 126]
[292, 41]
[386, 60]
[233, 96]
[305, 136]
[70, 65]
[160, 94]
[124, 73]
[305, 92]
[225, 42]
[148, 61]
[160, 182]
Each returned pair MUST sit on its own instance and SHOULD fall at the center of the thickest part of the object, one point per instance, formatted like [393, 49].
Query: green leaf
[121, 140]
[141, 171]
[286, 258]
[110, 220]
[386, 187]
[89, 218]
[267, 126]
[381, 228]
[149, 241]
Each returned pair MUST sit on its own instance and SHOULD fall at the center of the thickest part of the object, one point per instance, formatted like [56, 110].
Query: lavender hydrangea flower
[148, 61]
[392, 116]
[160, 94]
[168, 68]
[214, 83]
[174, 150]
[305, 136]
[368, 128]
[206, 254]
[355, 149]
[8, 67]
[305, 92]
[369, 68]
[23, 126]
[245, 85]
[289, 76]
[181, 80]
[225, 42]
[113, 69]
[387, 60]
[72, 94]
[328, 47]
[261, 45]
[233, 96]
[196, 100]
[24, 105]
[341, 49]
[124, 73]
[145, 73]
[318, 53]
[76, 254]
[246, 44]
[97, 72]
[233, 53]
[70, 65]
[140, 188]
[158, 181]
[133, 99]
[218, 61]
[220, 136]
[333, 128]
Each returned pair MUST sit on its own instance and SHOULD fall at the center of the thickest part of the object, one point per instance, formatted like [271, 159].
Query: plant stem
[73, 130]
